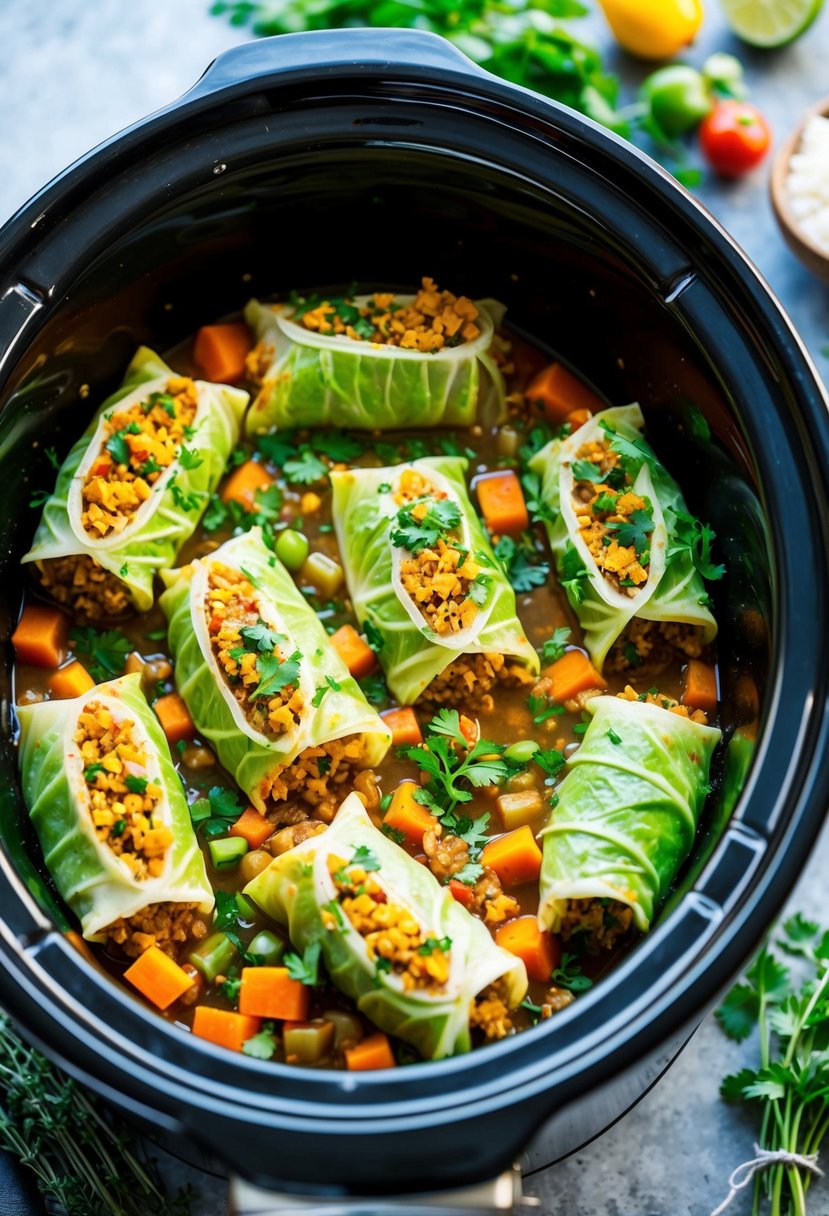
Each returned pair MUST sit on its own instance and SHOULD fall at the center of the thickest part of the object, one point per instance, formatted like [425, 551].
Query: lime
[770, 23]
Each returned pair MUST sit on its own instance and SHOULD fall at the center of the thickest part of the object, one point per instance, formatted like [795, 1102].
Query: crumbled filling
[491, 902]
[490, 1012]
[654, 697]
[434, 320]
[79, 583]
[253, 657]
[555, 999]
[439, 577]
[317, 781]
[602, 921]
[654, 645]
[471, 680]
[615, 524]
[139, 444]
[123, 798]
[446, 854]
[165, 925]
[394, 939]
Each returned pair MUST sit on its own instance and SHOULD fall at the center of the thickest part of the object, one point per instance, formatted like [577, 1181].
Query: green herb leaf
[586, 470]
[136, 785]
[524, 566]
[305, 468]
[92, 771]
[261, 1046]
[304, 968]
[442, 516]
[444, 944]
[190, 459]
[553, 647]
[224, 803]
[260, 637]
[635, 532]
[365, 859]
[569, 974]
[693, 537]
[106, 652]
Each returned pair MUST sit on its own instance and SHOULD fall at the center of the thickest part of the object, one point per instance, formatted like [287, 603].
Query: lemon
[770, 23]
[653, 29]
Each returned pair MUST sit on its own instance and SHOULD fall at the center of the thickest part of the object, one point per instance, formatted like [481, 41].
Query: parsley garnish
[542, 708]
[190, 459]
[260, 637]
[452, 766]
[365, 859]
[136, 785]
[444, 944]
[106, 652]
[373, 635]
[572, 573]
[337, 447]
[305, 468]
[479, 589]
[185, 502]
[568, 974]
[586, 470]
[261, 1046]
[695, 538]
[52, 456]
[442, 516]
[523, 564]
[633, 453]
[275, 674]
[471, 872]
[613, 737]
[39, 498]
[635, 532]
[92, 770]
[304, 968]
[118, 827]
[553, 647]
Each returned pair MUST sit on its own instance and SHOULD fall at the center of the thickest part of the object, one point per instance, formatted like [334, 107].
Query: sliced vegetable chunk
[373, 1052]
[41, 636]
[224, 1028]
[269, 992]
[158, 978]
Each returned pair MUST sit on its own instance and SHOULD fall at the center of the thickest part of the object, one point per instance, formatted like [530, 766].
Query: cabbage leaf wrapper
[331, 380]
[97, 886]
[412, 654]
[252, 757]
[153, 536]
[297, 890]
[674, 591]
[627, 811]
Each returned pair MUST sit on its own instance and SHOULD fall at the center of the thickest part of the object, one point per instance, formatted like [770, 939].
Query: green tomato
[678, 97]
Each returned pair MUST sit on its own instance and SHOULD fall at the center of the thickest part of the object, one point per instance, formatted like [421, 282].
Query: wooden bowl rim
[779, 173]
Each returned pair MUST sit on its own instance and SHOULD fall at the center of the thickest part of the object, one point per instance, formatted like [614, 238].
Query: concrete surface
[74, 72]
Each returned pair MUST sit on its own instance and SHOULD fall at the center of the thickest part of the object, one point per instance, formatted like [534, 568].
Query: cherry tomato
[734, 137]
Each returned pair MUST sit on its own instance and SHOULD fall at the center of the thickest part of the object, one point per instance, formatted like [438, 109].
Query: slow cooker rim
[495, 90]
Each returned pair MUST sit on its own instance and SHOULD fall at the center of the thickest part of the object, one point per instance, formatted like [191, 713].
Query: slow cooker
[377, 156]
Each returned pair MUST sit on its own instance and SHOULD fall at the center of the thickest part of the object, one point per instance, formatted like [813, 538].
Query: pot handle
[501, 1196]
[328, 52]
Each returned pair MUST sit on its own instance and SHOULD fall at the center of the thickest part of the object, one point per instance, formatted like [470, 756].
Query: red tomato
[734, 137]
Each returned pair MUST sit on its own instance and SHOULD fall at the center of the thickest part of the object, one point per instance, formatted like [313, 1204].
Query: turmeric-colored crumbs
[89, 591]
[614, 523]
[653, 645]
[440, 576]
[602, 921]
[434, 320]
[472, 679]
[654, 697]
[123, 798]
[165, 925]
[139, 445]
[260, 673]
[490, 1012]
[393, 937]
[317, 781]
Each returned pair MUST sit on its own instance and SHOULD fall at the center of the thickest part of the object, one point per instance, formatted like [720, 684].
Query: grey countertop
[74, 72]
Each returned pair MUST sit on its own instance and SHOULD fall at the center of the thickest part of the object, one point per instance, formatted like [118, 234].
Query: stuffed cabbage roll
[619, 534]
[393, 939]
[133, 488]
[112, 818]
[421, 570]
[380, 360]
[626, 815]
[263, 683]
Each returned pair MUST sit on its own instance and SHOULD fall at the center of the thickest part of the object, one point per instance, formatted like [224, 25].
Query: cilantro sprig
[106, 651]
[442, 516]
[693, 537]
[789, 1089]
[524, 565]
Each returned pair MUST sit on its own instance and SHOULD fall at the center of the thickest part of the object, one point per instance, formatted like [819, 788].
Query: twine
[762, 1159]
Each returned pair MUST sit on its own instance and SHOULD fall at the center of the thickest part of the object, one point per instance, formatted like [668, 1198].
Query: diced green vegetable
[522, 751]
[323, 573]
[200, 810]
[213, 956]
[292, 548]
[227, 851]
[308, 1042]
[266, 945]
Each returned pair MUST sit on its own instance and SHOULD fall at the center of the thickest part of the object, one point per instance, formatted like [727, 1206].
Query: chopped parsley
[106, 651]
[275, 674]
[365, 859]
[479, 589]
[442, 516]
[553, 647]
[444, 944]
[190, 459]
[260, 637]
[635, 532]
[613, 737]
[586, 470]
[691, 536]
[92, 770]
[136, 785]
[304, 967]
[524, 566]
[262, 1046]
[305, 468]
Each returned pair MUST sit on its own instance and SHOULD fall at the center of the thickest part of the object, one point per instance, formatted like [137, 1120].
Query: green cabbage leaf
[295, 889]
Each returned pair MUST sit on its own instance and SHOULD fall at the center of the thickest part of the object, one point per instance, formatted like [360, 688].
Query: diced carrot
[407, 815]
[461, 892]
[70, 681]
[242, 484]
[578, 418]
[571, 674]
[539, 951]
[40, 636]
[405, 728]
[559, 393]
[373, 1052]
[174, 717]
[224, 1028]
[746, 697]
[134, 664]
[354, 651]
[158, 978]
[515, 857]
[502, 502]
[219, 351]
[252, 827]
[700, 687]
[269, 992]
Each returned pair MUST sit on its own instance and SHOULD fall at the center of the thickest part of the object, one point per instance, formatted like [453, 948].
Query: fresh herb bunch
[520, 41]
[790, 1088]
[86, 1161]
